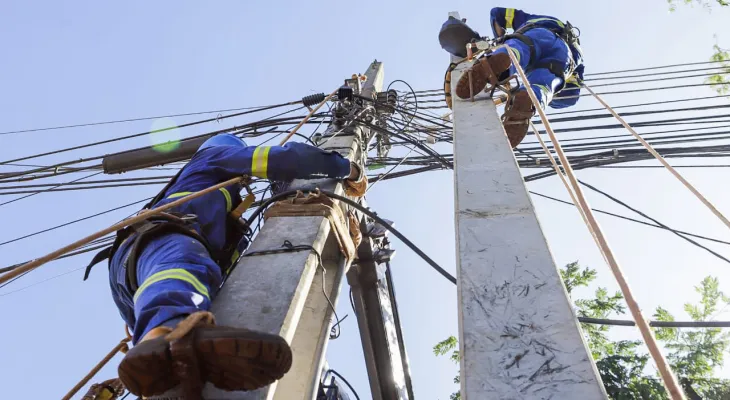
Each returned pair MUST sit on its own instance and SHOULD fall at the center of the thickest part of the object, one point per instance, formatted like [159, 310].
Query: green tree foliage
[445, 347]
[720, 81]
[623, 365]
[704, 3]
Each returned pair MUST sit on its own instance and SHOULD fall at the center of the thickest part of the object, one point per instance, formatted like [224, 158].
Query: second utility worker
[165, 272]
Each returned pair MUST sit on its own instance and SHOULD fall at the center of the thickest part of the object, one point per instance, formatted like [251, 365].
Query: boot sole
[230, 361]
[481, 76]
[516, 129]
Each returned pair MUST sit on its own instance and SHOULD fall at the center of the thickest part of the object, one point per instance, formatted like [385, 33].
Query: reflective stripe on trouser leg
[177, 278]
[175, 274]
[169, 295]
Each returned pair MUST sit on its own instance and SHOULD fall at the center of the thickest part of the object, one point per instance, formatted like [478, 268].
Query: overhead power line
[74, 221]
[119, 121]
[146, 133]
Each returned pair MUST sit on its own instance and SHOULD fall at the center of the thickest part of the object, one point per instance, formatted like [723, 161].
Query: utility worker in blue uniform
[166, 269]
[547, 49]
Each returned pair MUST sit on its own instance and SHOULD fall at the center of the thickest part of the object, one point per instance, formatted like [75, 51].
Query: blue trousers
[548, 47]
[176, 278]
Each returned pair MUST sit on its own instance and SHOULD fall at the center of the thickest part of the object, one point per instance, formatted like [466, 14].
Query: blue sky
[90, 61]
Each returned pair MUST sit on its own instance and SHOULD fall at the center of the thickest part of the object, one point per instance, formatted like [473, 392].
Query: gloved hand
[357, 183]
[355, 233]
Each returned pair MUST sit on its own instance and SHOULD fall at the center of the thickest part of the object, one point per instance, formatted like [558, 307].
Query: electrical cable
[72, 189]
[382, 176]
[654, 68]
[74, 221]
[254, 125]
[352, 390]
[655, 103]
[74, 183]
[630, 219]
[656, 73]
[140, 119]
[634, 113]
[57, 172]
[617, 201]
[151, 132]
[657, 324]
[365, 211]
[39, 282]
[53, 188]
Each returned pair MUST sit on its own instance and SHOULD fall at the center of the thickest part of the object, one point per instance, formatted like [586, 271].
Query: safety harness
[171, 222]
[566, 33]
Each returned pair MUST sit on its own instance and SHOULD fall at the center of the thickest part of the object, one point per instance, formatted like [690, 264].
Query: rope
[121, 225]
[304, 121]
[560, 173]
[661, 159]
[668, 377]
[122, 346]
[187, 325]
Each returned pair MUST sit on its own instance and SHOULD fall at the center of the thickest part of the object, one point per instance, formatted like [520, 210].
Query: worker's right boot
[197, 351]
[487, 70]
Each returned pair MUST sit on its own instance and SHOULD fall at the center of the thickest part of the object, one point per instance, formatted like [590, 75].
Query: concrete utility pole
[284, 293]
[518, 335]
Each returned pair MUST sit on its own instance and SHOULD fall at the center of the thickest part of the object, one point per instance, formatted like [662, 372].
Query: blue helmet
[223, 139]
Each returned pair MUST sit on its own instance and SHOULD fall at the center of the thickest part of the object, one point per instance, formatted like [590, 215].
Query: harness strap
[175, 223]
[99, 257]
[555, 68]
[148, 231]
[141, 234]
[519, 35]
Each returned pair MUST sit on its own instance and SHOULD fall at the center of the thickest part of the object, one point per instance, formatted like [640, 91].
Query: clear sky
[84, 61]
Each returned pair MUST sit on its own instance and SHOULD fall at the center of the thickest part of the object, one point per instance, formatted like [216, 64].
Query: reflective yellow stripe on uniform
[509, 17]
[260, 162]
[227, 195]
[178, 194]
[532, 21]
[175, 273]
[234, 258]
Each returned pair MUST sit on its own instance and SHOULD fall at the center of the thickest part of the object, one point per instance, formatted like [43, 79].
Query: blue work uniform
[176, 273]
[551, 88]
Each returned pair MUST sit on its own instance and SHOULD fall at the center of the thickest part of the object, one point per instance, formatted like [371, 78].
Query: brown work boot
[517, 115]
[197, 351]
[486, 70]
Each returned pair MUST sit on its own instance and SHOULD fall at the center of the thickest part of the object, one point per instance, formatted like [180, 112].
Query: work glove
[355, 233]
[356, 187]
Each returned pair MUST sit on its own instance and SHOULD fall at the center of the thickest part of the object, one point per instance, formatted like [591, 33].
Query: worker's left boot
[486, 71]
[198, 351]
[516, 118]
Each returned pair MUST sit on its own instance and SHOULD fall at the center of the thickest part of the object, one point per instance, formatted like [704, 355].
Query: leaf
[720, 82]
[445, 346]
[707, 4]
[665, 334]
